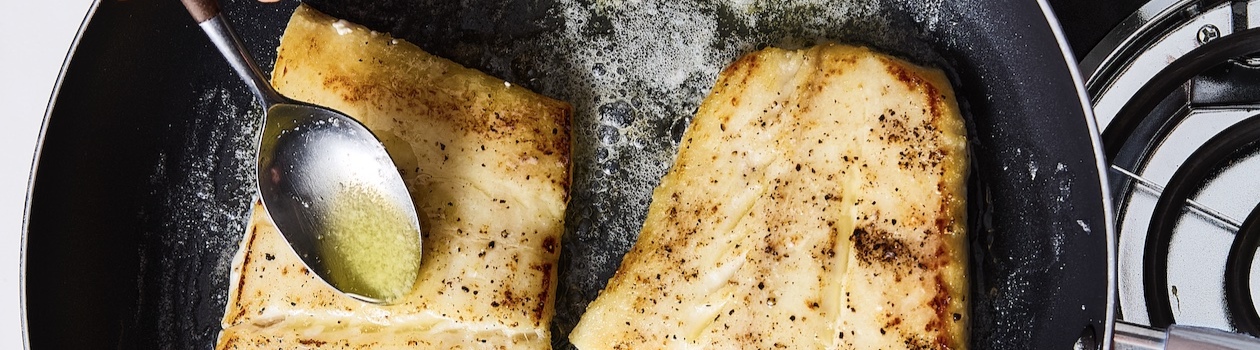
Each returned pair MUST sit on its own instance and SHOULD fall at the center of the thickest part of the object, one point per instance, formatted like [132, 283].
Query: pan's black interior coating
[145, 174]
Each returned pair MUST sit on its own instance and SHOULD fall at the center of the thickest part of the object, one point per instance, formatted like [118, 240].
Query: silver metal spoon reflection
[328, 184]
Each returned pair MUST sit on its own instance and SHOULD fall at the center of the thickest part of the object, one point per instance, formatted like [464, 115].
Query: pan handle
[1130, 336]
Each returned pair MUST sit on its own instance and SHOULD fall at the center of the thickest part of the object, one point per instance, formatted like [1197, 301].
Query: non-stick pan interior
[144, 177]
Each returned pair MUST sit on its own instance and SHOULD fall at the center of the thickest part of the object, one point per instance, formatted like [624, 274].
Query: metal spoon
[323, 175]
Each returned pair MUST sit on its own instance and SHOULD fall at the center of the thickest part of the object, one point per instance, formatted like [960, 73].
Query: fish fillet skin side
[817, 202]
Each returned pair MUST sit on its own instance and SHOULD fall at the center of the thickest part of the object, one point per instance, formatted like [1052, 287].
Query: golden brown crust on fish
[488, 168]
[817, 201]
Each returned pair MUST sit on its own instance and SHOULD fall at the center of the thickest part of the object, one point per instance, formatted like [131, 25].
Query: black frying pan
[144, 178]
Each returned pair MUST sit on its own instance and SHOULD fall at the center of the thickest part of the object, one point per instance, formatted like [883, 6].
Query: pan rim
[35, 156]
[1099, 161]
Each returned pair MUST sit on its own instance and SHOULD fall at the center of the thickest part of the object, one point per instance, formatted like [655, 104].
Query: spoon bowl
[323, 177]
[328, 184]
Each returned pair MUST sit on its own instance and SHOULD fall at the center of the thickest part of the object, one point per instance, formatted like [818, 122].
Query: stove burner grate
[1198, 169]
[1180, 113]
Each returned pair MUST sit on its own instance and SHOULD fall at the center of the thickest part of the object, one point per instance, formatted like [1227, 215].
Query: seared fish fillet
[817, 202]
[488, 169]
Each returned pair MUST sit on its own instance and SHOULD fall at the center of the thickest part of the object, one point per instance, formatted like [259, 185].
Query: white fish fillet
[817, 202]
[488, 168]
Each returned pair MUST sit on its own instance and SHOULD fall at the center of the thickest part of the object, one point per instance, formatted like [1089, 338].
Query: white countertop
[35, 36]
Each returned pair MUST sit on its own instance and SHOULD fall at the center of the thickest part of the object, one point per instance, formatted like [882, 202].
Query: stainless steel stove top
[1178, 97]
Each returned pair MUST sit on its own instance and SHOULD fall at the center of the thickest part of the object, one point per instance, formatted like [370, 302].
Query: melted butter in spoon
[370, 247]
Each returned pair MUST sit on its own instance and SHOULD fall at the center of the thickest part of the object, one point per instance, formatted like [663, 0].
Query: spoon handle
[211, 21]
[202, 10]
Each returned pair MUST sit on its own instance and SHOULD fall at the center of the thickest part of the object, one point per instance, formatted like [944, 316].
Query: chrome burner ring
[1176, 90]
